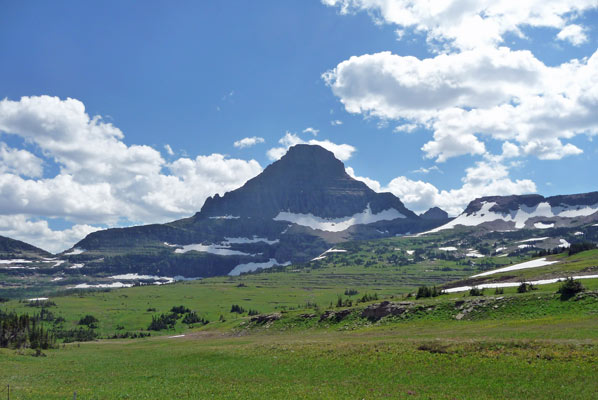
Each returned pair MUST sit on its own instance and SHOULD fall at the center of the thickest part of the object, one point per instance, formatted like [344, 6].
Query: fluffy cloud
[39, 233]
[19, 162]
[469, 24]
[101, 180]
[486, 178]
[494, 92]
[311, 130]
[248, 142]
[342, 151]
[574, 34]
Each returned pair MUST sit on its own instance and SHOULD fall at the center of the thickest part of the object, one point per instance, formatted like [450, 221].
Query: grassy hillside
[512, 346]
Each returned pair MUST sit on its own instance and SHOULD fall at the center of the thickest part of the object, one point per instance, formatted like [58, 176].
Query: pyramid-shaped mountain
[307, 180]
[298, 207]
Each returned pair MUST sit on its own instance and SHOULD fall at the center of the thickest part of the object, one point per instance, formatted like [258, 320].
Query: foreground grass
[392, 363]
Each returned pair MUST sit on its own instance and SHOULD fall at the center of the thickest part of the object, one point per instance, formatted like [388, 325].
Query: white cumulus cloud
[101, 180]
[341, 151]
[248, 142]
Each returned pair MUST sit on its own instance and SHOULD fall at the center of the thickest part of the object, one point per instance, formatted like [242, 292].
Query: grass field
[505, 346]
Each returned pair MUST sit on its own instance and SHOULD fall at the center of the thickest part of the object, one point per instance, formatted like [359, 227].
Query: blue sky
[486, 99]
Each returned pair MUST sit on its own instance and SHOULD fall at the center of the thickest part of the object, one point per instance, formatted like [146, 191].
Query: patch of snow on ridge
[74, 252]
[102, 285]
[211, 248]
[338, 224]
[541, 225]
[225, 217]
[516, 284]
[253, 266]
[241, 240]
[449, 248]
[578, 233]
[533, 240]
[76, 266]
[331, 250]
[541, 262]
[564, 244]
[131, 277]
[519, 216]
[38, 299]
[15, 261]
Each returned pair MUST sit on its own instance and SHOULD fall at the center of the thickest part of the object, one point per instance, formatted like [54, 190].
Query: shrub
[253, 312]
[163, 321]
[499, 290]
[235, 308]
[89, 320]
[193, 318]
[475, 291]
[570, 288]
[425, 291]
[351, 292]
[179, 310]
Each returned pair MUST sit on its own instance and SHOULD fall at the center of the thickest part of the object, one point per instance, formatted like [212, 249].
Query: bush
[425, 291]
[193, 318]
[499, 290]
[253, 312]
[351, 292]
[163, 321]
[475, 291]
[570, 288]
[179, 310]
[235, 308]
[525, 287]
[89, 320]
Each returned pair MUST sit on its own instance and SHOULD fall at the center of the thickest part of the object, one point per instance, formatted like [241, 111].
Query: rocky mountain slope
[528, 212]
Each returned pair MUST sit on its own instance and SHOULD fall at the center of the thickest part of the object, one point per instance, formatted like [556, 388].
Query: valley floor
[541, 357]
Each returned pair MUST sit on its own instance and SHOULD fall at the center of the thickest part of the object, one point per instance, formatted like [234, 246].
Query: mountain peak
[308, 179]
[435, 213]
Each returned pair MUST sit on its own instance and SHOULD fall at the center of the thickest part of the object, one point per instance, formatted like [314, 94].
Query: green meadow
[501, 345]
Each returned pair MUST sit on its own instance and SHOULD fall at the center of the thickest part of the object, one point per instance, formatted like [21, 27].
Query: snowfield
[515, 284]
[541, 262]
[249, 267]
[74, 252]
[338, 224]
[450, 248]
[221, 250]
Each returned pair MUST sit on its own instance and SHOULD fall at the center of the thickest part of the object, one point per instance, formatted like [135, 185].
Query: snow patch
[76, 266]
[74, 252]
[175, 336]
[564, 244]
[410, 252]
[541, 262]
[225, 217]
[16, 261]
[241, 240]
[533, 240]
[541, 225]
[102, 285]
[338, 224]
[449, 248]
[578, 233]
[516, 284]
[38, 299]
[248, 267]
[131, 277]
[59, 278]
[221, 250]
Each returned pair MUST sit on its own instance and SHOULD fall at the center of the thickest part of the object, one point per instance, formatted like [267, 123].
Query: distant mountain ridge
[528, 211]
[12, 248]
